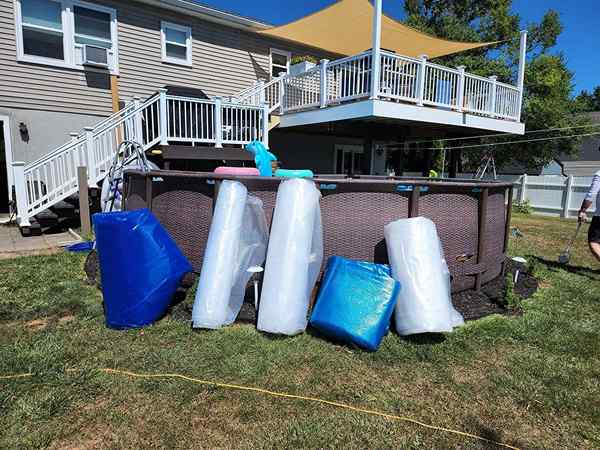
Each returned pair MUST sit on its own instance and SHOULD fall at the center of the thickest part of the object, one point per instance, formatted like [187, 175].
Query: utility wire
[502, 135]
[523, 141]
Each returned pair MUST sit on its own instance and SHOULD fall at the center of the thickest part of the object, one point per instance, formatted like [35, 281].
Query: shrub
[523, 207]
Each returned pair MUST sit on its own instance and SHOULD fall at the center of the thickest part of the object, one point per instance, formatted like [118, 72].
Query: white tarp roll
[417, 259]
[294, 258]
[237, 240]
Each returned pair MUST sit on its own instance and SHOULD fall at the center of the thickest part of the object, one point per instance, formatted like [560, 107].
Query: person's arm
[589, 198]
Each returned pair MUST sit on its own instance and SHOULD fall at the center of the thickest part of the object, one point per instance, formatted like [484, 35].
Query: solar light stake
[255, 270]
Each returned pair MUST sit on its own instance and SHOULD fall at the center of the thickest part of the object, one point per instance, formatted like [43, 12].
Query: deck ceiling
[345, 28]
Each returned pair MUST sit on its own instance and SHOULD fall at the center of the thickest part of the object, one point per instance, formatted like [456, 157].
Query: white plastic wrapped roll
[294, 258]
[417, 259]
[237, 240]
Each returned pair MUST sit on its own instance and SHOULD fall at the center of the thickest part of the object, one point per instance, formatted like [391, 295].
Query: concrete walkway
[12, 244]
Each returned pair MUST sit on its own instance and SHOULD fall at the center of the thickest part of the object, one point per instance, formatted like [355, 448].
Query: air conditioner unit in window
[95, 56]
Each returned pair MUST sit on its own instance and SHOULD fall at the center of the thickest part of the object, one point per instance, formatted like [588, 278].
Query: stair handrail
[80, 137]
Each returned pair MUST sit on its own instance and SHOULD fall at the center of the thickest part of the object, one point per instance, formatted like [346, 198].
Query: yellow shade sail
[345, 28]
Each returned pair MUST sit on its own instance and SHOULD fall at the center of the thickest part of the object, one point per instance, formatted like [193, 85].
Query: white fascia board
[442, 116]
[193, 9]
[402, 112]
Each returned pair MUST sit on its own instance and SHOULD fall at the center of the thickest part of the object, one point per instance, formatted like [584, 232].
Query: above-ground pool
[472, 216]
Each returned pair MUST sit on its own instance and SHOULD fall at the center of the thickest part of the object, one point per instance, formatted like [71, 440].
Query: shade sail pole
[376, 49]
[521, 74]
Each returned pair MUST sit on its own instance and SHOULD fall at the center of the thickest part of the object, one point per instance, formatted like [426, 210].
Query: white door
[349, 159]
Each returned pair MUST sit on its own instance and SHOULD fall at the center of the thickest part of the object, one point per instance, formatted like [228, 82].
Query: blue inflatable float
[355, 302]
[140, 265]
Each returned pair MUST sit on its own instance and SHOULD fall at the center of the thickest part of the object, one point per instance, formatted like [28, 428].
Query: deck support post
[218, 122]
[21, 193]
[521, 71]
[323, 86]
[421, 79]
[90, 157]
[376, 50]
[460, 101]
[163, 116]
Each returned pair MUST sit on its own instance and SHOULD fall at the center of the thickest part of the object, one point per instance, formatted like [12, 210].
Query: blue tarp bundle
[141, 267]
[355, 302]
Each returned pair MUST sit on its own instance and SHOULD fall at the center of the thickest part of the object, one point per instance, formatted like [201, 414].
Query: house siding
[225, 61]
[38, 87]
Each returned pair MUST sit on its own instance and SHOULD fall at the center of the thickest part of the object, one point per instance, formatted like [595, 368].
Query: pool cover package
[140, 265]
[294, 258]
[417, 260]
[237, 240]
[355, 303]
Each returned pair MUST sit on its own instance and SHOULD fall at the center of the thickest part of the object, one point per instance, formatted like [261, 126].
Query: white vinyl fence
[553, 194]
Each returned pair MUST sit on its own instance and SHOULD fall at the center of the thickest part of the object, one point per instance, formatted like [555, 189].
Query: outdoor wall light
[24, 132]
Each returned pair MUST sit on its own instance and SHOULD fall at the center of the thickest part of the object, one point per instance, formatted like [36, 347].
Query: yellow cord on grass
[284, 395]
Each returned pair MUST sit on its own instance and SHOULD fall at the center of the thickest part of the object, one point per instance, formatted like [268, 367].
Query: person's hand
[582, 217]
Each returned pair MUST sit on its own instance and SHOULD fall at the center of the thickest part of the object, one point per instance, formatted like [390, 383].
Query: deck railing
[413, 80]
[162, 118]
[260, 93]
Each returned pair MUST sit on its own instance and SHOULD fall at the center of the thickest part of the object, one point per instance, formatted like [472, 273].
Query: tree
[588, 102]
[548, 89]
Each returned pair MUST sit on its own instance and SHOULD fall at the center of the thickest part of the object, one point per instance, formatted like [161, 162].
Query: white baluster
[461, 88]
[218, 124]
[421, 78]
[265, 125]
[493, 89]
[323, 86]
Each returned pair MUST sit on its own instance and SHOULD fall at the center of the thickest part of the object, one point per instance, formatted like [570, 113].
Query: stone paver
[13, 244]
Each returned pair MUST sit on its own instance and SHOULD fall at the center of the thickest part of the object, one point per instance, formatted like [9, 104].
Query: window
[42, 29]
[280, 62]
[349, 159]
[176, 43]
[92, 27]
[54, 32]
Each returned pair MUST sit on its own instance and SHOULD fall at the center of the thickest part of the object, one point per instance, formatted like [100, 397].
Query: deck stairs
[45, 189]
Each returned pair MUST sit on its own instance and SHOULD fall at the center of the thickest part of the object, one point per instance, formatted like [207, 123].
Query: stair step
[33, 230]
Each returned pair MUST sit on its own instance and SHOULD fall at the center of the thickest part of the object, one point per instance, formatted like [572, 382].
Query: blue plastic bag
[355, 302]
[141, 267]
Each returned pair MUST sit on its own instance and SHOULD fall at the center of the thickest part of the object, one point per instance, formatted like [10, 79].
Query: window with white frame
[42, 29]
[176, 43]
[54, 32]
[279, 62]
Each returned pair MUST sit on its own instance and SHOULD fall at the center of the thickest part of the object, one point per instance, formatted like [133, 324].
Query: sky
[580, 40]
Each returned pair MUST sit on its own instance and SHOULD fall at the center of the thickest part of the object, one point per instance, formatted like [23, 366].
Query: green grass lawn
[532, 381]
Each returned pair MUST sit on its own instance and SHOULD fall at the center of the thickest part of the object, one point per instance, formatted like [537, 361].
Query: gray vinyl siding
[225, 61]
[38, 87]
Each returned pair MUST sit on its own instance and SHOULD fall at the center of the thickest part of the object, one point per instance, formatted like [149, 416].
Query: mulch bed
[491, 299]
